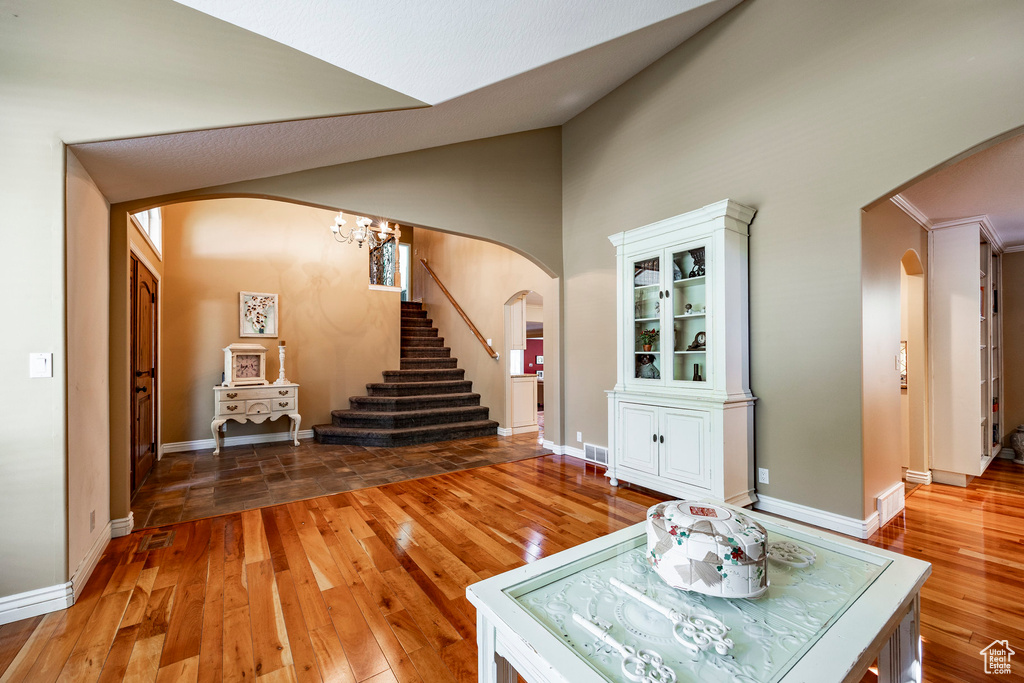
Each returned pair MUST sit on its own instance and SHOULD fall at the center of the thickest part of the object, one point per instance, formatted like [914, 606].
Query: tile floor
[196, 484]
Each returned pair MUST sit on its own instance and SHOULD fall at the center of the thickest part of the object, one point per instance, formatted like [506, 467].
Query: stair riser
[396, 403]
[426, 352]
[386, 421]
[408, 323]
[413, 313]
[410, 342]
[418, 331]
[410, 389]
[428, 363]
[405, 440]
[412, 305]
[401, 376]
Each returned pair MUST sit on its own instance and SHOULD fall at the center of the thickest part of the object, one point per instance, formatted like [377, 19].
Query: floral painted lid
[707, 548]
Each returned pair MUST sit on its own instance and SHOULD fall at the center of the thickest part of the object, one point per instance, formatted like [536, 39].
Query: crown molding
[1014, 249]
[983, 223]
[915, 213]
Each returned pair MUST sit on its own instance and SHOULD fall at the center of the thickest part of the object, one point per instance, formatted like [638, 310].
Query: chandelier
[362, 231]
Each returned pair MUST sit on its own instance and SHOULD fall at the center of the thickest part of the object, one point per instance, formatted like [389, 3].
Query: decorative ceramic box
[708, 549]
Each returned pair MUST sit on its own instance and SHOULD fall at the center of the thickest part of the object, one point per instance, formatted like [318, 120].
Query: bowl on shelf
[706, 548]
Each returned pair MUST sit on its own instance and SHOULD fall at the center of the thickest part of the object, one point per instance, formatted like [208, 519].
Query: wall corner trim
[85, 568]
[915, 477]
[851, 526]
[122, 526]
[36, 602]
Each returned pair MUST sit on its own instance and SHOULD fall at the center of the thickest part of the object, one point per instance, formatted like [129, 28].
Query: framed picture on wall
[257, 314]
[540, 360]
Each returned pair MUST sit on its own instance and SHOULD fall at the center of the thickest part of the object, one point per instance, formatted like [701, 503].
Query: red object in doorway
[534, 348]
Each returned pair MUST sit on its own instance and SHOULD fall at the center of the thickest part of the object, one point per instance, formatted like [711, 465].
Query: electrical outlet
[579, 436]
[92, 520]
[762, 475]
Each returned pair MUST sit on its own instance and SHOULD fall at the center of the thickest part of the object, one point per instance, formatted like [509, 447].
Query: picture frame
[258, 314]
[540, 360]
[540, 374]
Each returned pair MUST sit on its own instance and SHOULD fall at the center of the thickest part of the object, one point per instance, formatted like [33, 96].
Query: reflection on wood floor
[370, 585]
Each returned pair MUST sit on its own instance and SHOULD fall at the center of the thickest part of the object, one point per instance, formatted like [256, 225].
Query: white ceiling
[990, 183]
[500, 82]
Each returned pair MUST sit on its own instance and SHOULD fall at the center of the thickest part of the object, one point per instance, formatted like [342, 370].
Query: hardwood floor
[370, 585]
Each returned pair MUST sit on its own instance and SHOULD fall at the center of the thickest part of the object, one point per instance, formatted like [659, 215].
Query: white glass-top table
[598, 612]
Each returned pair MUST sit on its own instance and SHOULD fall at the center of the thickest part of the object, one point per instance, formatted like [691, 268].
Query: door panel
[683, 455]
[638, 448]
[143, 371]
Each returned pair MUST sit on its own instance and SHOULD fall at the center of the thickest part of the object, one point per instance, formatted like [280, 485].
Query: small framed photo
[540, 374]
[257, 314]
[540, 360]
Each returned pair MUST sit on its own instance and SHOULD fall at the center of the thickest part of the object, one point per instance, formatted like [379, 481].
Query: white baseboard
[559, 449]
[915, 477]
[81, 575]
[851, 526]
[33, 603]
[951, 478]
[502, 431]
[201, 444]
[122, 526]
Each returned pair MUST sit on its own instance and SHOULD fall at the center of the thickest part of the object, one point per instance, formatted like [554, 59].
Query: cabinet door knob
[662, 438]
[667, 293]
[655, 438]
[283, 392]
[661, 294]
[233, 394]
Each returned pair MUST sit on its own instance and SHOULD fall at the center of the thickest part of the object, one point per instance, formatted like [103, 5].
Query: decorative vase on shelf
[1017, 444]
[696, 373]
[647, 347]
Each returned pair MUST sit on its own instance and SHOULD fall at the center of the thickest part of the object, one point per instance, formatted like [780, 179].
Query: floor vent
[157, 540]
[595, 454]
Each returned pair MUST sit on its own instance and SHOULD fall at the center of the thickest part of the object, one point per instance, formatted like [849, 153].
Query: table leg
[215, 428]
[900, 658]
[491, 667]
[294, 432]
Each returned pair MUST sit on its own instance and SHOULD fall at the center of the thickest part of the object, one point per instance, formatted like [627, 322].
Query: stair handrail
[487, 347]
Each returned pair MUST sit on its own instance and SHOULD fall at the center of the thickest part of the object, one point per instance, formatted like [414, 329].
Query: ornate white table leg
[294, 431]
[491, 667]
[215, 428]
[900, 658]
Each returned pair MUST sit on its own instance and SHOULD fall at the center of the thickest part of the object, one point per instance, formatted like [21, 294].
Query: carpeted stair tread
[404, 437]
[399, 376]
[369, 419]
[408, 323]
[428, 363]
[426, 351]
[419, 388]
[416, 402]
[419, 332]
[410, 342]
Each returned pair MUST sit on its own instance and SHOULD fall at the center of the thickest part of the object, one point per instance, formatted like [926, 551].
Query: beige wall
[88, 478]
[482, 276]
[887, 234]
[340, 334]
[506, 189]
[69, 75]
[1011, 304]
[807, 112]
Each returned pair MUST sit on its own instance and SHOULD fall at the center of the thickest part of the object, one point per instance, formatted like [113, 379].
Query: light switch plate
[40, 365]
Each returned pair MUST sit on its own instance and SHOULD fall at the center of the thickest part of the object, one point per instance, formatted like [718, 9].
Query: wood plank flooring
[370, 585]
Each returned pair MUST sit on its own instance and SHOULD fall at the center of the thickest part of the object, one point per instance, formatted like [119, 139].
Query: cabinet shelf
[687, 281]
[654, 286]
[691, 352]
[684, 316]
[646, 320]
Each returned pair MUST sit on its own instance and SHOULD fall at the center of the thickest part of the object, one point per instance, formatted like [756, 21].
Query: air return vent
[595, 454]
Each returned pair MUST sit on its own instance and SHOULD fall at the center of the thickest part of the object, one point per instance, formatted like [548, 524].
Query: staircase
[428, 399]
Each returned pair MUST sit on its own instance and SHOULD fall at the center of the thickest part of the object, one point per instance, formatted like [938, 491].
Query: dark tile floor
[196, 484]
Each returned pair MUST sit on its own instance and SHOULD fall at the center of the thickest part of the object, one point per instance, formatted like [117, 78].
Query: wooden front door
[143, 371]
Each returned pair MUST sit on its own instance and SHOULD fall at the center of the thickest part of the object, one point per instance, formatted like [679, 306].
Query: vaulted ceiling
[465, 69]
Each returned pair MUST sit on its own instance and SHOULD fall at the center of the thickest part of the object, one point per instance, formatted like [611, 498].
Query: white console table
[255, 404]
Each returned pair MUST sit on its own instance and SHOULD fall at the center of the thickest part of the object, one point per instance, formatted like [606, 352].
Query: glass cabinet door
[648, 299]
[689, 302]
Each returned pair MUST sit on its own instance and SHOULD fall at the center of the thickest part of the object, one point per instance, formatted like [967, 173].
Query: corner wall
[807, 112]
[88, 259]
[482, 276]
